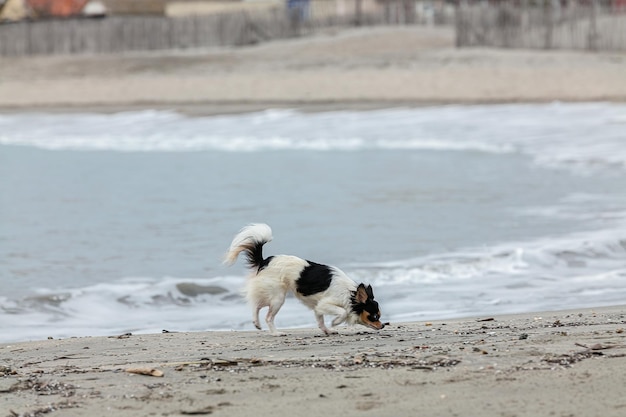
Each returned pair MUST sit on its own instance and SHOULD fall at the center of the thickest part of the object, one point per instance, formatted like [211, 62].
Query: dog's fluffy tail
[249, 240]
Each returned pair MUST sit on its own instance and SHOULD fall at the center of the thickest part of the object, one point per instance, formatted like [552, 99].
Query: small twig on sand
[145, 371]
[598, 346]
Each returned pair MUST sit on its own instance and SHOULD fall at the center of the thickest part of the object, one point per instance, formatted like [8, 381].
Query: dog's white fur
[269, 284]
[247, 238]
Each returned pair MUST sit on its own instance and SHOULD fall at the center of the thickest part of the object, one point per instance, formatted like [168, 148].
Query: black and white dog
[325, 289]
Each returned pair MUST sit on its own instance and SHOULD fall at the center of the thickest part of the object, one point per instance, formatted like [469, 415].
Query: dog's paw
[328, 332]
[278, 334]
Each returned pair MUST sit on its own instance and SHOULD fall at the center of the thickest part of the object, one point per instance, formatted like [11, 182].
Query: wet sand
[568, 363]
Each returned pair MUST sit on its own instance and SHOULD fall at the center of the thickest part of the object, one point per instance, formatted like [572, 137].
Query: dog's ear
[361, 294]
[370, 292]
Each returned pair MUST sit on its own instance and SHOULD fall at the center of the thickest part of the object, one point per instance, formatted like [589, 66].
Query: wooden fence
[144, 33]
[590, 25]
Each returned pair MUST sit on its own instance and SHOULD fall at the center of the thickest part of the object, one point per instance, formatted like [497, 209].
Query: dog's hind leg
[255, 316]
[256, 302]
[274, 307]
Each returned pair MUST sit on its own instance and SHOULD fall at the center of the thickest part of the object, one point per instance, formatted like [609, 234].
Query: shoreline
[546, 363]
[221, 108]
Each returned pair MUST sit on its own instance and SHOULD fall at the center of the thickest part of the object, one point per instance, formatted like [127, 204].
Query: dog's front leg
[322, 326]
[340, 318]
[331, 310]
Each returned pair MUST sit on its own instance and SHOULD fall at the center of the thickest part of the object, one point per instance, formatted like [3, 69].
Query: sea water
[115, 223]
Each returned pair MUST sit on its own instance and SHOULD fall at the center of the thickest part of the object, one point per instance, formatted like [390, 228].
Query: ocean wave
[577, 270]
[574, 271]
[134, 293]
[566, 256]
[144, 305]
[583, 137]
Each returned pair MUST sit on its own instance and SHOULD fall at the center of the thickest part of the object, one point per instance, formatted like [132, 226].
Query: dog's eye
[374, 317]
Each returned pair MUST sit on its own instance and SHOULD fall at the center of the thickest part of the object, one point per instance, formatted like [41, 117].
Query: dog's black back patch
[314, 278]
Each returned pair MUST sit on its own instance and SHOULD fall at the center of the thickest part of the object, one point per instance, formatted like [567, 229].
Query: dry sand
[360, 68]
[545, 364]
[570, 363]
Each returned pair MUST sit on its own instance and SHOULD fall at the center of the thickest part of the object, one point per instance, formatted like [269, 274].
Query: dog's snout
[376, 325]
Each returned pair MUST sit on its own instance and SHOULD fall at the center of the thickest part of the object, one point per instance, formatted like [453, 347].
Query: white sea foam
[581, 137]
[129, 305]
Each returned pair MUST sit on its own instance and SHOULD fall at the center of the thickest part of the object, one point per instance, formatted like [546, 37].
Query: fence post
[358, 12]
[408, 8]
[549, 24]
[592, 40]
[460, 23]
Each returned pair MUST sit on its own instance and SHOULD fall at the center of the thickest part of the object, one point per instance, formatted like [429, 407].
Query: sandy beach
[359, 68]
[568, 363]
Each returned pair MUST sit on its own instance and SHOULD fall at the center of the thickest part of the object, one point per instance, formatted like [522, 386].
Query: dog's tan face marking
[371, 320]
